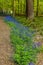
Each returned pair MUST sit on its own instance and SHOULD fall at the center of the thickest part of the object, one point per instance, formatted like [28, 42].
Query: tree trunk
[29, 9]
[37, 8]
[13, 9]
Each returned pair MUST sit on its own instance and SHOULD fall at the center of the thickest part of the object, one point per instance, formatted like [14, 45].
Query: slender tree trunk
[29, 9]
[37, 8]
[13, 9]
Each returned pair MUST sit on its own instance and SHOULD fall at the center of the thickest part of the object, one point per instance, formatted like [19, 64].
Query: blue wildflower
[31, 63]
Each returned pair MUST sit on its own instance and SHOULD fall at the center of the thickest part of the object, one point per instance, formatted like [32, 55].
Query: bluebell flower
[38, 44]
[22, 30]
[35, 45]
[31, 63]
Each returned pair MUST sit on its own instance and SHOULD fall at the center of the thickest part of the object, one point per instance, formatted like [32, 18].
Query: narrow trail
[39, 59]
[5, 45]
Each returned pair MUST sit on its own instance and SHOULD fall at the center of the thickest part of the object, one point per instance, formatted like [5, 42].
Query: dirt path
[39, 39]
[39, 59]
[5, 47]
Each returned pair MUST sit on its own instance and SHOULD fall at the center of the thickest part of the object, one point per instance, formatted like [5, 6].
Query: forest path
[39, 59]
[39, 39]
[5, 45]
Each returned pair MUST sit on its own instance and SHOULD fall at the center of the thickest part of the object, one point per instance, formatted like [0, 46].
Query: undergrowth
[36, 24]
[25, 51]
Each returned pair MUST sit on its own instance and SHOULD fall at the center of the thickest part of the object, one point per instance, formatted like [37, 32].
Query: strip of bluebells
[21, 37]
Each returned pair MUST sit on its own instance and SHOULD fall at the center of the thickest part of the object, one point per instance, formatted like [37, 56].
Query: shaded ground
[5, 46]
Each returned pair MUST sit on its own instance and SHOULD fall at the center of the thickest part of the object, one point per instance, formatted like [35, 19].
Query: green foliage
[20, 7]
[40, 49]
[36, 24]
[21, 4]
[6, 6]
[23, 51]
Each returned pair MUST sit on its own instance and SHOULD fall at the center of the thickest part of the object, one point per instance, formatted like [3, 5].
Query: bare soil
[39, 59]
[6, 49]
[39, 38]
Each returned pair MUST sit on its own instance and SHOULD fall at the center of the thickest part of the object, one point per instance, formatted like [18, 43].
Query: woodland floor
[6, 49]
[5, 46]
